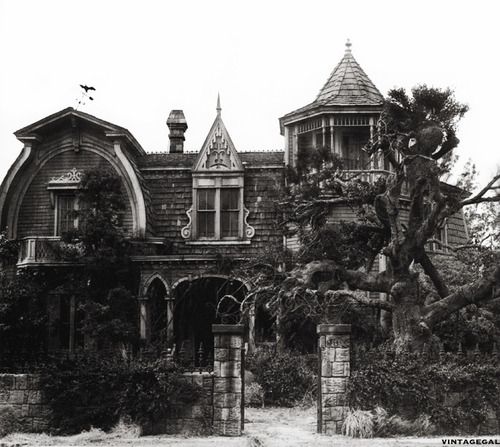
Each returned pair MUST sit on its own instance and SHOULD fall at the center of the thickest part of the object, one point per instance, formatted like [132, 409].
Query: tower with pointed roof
[341, 118]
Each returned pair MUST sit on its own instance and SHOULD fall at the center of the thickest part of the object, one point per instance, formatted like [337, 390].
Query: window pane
[229, 199]
[65, 214]
[229, 223]
[206, 199]
[206, 224]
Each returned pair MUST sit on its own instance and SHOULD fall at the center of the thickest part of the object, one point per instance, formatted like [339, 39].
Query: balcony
[370, 171]
[47, 251]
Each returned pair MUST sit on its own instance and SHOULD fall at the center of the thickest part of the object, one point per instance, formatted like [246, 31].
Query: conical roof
[349, 85]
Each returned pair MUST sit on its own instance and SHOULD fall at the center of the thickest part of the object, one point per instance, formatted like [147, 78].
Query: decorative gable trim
[218, 153]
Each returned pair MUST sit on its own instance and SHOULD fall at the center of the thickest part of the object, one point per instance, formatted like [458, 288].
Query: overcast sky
[266, 58]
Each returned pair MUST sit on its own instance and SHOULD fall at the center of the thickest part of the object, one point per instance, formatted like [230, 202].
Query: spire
[218, 104]
[348, 46]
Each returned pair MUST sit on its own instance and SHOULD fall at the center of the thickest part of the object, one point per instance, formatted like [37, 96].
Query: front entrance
[199, 303]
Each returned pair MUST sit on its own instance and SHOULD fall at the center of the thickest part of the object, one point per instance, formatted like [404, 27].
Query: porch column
[170, 321]
[334, 358]
[143, 318]
[228, 383]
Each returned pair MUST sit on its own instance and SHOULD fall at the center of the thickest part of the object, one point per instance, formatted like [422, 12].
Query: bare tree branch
[433, 274]
[479, 197]
[480, 290]
[360, 298]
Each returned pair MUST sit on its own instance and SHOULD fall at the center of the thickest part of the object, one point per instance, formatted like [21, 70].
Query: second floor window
[218, 213]
[66, 218]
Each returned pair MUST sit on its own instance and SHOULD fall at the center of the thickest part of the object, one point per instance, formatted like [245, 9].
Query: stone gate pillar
[228, 409]
[334, 364]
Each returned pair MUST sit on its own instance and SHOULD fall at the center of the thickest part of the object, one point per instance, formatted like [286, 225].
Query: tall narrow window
[206, 213]
[66, 216]
[230, 212]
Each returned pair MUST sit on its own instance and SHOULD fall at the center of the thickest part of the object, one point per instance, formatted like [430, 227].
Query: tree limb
[480, 290]
[479, 197]
[431, 271]
[360, 298]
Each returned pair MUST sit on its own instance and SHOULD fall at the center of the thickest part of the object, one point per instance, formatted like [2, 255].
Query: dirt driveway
[269, 427]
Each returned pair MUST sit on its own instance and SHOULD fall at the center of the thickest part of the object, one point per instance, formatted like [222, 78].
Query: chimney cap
[176, 117]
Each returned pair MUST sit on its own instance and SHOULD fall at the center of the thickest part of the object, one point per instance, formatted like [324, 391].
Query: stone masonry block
[7, 381]
[333, 385]
[334, 400]
[235, 354]
[227, 428]
[342, 354]
[227, 385]
[227, 400]
[335, 413]
[227, 414]
[339, 369]
[17, 397]
[33, 397]
[221, 355]
[228, 341]
[337, 341]
[21, 381]
[230, 369]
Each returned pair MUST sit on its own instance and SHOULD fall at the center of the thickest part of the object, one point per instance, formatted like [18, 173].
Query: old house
[190, 212]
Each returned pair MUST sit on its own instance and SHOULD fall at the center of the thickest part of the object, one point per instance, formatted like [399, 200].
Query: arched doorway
[199, 303]
[157, 314]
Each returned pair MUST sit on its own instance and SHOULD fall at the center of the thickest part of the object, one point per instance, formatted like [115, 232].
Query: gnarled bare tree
[397, 216]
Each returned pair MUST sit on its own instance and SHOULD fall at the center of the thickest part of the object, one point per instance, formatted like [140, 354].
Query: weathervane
[84, 95]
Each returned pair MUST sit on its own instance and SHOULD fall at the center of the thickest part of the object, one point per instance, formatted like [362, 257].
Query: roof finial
[348, 45]
[218, 104]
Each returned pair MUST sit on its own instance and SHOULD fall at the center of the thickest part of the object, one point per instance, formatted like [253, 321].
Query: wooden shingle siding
[36, 215]
[171, 197]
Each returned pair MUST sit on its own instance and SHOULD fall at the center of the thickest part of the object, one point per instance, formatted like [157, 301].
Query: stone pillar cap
[333, 329]
[228, 328]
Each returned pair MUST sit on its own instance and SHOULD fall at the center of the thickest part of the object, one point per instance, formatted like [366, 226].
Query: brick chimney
[177, 125]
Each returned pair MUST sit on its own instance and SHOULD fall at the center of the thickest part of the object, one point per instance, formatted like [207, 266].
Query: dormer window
[218, 214]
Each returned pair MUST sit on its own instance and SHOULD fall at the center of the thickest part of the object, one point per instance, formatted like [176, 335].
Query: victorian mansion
[188, 211]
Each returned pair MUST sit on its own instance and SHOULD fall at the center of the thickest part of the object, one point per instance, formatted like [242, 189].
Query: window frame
[218, 183]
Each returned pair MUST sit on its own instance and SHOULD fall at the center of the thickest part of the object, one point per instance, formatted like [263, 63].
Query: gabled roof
[348, 86]
[109, 128]
[218, 152]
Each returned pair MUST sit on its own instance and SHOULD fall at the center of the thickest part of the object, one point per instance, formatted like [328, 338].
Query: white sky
[266, 58]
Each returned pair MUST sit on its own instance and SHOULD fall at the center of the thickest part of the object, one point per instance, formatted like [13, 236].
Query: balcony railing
[46, 250]
[367, 172]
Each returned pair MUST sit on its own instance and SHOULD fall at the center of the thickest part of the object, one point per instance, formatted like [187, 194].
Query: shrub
[414, 387]
[285, 378]
[97, 392]
[8, 421]
[254, 395]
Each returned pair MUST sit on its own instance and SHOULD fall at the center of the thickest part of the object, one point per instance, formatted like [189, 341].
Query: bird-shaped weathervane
[85, 95]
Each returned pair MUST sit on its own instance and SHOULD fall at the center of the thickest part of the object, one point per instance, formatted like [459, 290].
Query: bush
[8, 421]
[286, 378]
[414, 387]
[254, 395]
[97, 392]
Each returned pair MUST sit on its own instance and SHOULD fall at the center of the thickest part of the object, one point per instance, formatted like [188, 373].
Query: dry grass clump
[378, 423]
[358, 424]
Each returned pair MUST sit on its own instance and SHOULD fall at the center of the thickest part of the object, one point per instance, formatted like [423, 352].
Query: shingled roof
[187, 160]
[348, 85]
